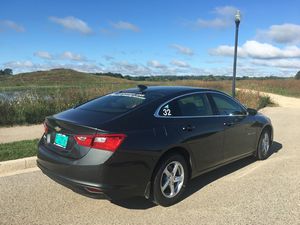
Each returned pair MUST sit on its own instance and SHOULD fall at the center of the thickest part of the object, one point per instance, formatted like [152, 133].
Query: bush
[253, 99]
[32, 107]
[297, 76]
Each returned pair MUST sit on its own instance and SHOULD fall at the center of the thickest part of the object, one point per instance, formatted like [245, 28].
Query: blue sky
[150, 37]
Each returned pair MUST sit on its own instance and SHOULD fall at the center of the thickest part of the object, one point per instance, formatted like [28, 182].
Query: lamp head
[237, 16]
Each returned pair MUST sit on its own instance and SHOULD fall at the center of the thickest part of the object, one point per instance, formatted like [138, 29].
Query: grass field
[19, 149]
[28, 98]
[287, 87]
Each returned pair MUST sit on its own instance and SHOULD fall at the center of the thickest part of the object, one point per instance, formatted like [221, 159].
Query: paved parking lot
[245, 192]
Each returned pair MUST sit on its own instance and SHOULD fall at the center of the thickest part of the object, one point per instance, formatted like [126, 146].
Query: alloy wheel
[172, 179]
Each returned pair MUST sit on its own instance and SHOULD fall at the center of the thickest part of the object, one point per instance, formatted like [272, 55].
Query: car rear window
[118, 102]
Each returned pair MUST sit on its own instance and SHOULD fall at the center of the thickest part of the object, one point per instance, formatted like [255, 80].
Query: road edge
[17, 164]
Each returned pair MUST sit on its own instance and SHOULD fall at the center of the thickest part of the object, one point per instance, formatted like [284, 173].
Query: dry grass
[253, 99]
[287, 87]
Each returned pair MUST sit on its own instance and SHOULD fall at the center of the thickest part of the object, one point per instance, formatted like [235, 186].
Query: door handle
[188, 128]
[228, 124]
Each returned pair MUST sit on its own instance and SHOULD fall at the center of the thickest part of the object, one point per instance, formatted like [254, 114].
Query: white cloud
[123, 25]
[19, 64]
[179, 63]
[223, 17]
[182, 49]
[279, 63]
[67, 55]
[285, 33]
[269, 58]
[128, 68]
[72, 23]
[257, 50]
[156, 64]
[43, 55]
[225, 11]
[153, 68]
[108, 57]
[226, 50]
[11, 25]
[214, 23]
[72, 56]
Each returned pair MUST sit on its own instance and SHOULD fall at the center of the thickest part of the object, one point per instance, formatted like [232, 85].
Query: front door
[239, 133]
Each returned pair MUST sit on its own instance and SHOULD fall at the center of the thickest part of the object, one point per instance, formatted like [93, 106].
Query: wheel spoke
[167, 172]
[172, 189]
[175, 169]
[178, 179]
[265, 143]
[166, 184]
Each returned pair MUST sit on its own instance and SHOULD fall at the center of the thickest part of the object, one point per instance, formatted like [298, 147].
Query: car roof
[167, 90]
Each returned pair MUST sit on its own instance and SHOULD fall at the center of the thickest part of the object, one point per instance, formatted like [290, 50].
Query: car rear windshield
[118, 102]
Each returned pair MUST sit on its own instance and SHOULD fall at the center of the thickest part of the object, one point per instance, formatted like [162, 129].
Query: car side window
[227, 106]
[190, 105]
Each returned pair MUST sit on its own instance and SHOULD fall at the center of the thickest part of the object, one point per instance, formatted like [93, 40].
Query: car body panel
[207, 140]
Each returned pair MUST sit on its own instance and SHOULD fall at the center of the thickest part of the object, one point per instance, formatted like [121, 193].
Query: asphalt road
[245, 192]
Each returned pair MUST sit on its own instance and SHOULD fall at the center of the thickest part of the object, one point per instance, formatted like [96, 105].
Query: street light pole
[237, 23]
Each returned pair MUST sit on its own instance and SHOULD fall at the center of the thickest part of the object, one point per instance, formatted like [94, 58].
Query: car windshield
[118, 102]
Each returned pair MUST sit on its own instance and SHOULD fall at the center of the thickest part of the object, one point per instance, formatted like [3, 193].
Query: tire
[263, 148]
[169, 183]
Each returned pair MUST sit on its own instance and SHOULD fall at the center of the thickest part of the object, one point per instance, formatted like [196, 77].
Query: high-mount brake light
[109, 142]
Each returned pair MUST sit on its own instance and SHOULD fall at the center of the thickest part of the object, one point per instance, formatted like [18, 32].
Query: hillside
[70, 78]
[57, 77]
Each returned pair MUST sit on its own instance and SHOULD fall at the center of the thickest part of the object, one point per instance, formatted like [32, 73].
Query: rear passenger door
[190, 120]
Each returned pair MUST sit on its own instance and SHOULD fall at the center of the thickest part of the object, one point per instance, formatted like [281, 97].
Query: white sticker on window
[167, 111]
[127, 94]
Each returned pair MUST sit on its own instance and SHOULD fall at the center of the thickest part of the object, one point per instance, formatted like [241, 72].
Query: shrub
[253, 99]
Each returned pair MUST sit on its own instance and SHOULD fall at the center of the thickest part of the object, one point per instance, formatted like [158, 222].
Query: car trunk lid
[64, 132]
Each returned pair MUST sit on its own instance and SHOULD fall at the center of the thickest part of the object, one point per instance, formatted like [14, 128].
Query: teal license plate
[61, 140]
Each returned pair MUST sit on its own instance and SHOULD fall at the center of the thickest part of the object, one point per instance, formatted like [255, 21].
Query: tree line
[188, 77]
[9, 71]
[6, 71]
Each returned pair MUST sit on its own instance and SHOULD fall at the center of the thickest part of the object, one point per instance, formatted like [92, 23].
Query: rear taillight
[45, 128]
[109, 142]
[84, 140]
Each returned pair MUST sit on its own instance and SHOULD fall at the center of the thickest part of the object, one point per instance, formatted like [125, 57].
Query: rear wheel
[170, 180]
[264, 145]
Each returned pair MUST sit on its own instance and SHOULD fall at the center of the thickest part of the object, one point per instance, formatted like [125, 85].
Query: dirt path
[282, 101]
[19, 133]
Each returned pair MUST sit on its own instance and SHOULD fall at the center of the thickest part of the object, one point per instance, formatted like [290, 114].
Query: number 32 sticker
[166, 111]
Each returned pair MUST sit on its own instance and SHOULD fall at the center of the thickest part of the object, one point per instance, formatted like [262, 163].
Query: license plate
[61, 140]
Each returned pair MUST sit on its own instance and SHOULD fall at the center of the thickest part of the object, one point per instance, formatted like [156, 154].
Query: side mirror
[251, 111]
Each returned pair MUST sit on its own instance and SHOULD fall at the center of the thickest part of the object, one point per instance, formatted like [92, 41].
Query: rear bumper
[116, 177]
[79, 187]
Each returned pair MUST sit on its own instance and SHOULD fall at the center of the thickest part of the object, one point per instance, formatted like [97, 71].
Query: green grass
[57, 78]
[18, 149]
